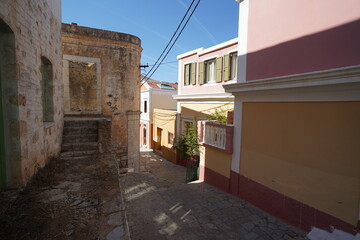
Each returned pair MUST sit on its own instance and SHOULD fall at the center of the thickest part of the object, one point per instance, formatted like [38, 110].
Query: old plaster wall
[82, 86]
[30, 141]
[119, 57]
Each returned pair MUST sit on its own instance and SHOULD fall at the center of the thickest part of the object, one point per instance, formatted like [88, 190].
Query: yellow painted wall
[307, 151]
[166, 120]
[217, 161]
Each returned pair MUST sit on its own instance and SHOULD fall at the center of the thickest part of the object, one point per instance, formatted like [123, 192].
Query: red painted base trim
[216, 179]
[287, 209]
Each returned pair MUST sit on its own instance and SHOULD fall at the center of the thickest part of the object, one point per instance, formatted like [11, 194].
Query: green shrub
[219, 116]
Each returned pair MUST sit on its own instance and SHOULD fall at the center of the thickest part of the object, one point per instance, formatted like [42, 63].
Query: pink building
[202, 75]
[296, 126]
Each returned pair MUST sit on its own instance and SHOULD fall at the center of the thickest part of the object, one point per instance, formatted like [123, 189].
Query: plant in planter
[186, 145]
[219, 116]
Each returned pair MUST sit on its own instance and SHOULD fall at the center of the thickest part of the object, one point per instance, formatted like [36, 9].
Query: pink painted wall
[292, 37]
[205, 88]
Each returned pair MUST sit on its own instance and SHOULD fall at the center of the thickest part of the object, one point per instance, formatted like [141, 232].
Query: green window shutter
[187, 75]
[218, 69]
[193, 72]
[201, 73]
[227, 67]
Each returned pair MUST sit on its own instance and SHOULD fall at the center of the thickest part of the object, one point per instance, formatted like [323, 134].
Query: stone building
[101, 76]
[31, 112]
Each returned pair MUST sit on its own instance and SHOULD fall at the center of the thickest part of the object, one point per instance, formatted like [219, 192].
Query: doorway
[158, 142]
[8, 89]
[2, 142]
[144, 136]
[82, 85]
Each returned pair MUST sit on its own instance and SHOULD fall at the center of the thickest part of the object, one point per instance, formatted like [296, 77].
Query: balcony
[216, 135]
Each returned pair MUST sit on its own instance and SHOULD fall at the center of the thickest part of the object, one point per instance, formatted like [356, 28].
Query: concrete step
[80, 138]
[78, 153]
[85, 146]
[81, 123]
[80, 130]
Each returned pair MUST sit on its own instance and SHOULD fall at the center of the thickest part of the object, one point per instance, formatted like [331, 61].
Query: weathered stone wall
[119, 56]
[30, 141]
[82, 86]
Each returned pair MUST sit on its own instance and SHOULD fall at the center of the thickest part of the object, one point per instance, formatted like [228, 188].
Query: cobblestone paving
[159, 205]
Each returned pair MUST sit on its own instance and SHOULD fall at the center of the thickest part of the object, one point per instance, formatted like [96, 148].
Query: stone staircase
[335, 234]
[80, 138]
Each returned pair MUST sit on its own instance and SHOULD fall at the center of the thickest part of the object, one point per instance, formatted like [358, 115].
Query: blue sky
[154, 22]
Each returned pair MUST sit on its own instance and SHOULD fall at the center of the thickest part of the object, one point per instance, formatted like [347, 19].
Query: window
[166, 86]
[189, 76]
[233, 65]
[185, 125]
[230, 66]
[210, 71]
[47, 90]
[170, 138]
[145, 106]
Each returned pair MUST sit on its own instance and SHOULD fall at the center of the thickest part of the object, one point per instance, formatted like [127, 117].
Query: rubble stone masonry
[117, 55]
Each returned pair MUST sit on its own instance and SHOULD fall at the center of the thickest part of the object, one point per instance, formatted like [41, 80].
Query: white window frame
[210, 68]
[233, 65]
[66, 59]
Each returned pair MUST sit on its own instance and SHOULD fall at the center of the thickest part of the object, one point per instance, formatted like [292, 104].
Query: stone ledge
[99, 33]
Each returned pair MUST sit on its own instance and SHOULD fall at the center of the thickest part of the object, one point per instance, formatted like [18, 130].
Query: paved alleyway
[160, 205]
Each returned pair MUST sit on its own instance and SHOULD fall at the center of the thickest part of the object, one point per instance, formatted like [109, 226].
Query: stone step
[81, 123]
[66, 147]
[77, 158]
[80, 138]
[79, 130]
[78, 153]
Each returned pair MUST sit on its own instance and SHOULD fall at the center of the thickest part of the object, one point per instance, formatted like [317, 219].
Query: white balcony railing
[216, 135]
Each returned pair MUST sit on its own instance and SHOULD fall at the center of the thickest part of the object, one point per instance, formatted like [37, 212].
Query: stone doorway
[82, 85]
[9, 112]
[2, 143]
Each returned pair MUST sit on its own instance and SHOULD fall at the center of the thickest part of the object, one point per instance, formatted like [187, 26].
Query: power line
[163, 63]
[172, 37]
[182, 29]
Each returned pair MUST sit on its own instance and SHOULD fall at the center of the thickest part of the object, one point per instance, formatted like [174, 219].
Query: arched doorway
[9, 112]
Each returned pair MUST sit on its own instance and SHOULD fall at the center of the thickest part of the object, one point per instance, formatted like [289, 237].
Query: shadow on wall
[333, 48]
[190, 112]
[165, 152]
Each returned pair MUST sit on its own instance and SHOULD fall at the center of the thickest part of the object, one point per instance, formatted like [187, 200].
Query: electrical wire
[163, 63]
[182, 29]
[172, 37]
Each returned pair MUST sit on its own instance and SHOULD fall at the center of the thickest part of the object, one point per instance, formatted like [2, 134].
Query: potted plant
[186, 145]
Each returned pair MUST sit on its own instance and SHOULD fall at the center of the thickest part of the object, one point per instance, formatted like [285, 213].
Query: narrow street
[159, 205]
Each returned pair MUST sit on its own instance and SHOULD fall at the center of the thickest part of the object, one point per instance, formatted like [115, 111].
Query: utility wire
[163, 63]
[176, 38]
[172, 37]
[182, 29]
